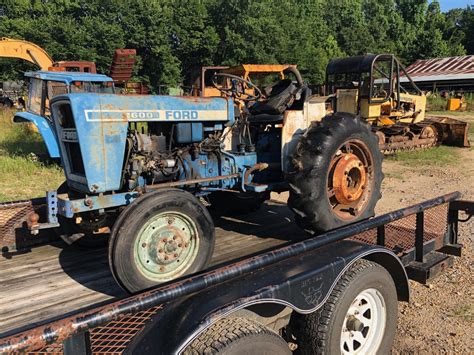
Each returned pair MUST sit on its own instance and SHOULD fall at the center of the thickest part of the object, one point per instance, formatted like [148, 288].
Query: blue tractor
[138, 169]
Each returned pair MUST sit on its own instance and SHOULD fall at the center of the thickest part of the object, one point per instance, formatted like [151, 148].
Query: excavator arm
[15, 48]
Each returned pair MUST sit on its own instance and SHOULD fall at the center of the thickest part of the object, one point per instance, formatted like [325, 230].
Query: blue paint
[68, 77]
[45, 129]
[68, 207]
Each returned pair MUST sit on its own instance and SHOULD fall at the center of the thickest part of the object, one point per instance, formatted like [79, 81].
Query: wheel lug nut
[175, 255]
[162, 268]
[166, 257]
[143, 245]
[180, 245]
[160, 251]
[165, 240]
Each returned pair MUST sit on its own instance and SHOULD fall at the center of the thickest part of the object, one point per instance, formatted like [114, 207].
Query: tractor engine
[171, 152]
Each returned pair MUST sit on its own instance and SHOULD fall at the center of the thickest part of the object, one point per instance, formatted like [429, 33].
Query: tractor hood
[92, 130]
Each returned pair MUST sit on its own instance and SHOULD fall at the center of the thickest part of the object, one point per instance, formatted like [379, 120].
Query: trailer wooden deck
[55, 279]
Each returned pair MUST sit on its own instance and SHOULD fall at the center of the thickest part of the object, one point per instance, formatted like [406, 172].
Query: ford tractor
[140, 170]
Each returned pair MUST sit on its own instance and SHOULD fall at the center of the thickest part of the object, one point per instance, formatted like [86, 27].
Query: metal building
[452, 73]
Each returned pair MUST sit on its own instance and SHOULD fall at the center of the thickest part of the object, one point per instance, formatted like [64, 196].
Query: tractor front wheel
[338, 173]
[161, 236]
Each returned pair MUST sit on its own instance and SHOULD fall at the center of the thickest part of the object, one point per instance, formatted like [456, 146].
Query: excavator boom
[15, 48]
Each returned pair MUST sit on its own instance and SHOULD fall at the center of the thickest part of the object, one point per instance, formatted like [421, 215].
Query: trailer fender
[301, 283]
[45, 129]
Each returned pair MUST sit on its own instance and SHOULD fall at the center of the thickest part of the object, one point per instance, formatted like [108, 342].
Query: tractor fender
[303, 284]
[44, 128]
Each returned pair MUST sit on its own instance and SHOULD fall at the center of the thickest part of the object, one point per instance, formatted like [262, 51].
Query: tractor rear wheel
[338, 173]
[159, 237]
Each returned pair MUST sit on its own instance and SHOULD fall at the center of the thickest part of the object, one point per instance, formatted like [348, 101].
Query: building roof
[67, 77]
[440, 69]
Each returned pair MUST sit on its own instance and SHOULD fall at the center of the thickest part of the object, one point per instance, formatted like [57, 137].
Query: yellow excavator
[16, 48]
[30, 52]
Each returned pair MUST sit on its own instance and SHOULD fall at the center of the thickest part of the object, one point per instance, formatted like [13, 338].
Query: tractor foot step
[434, 263]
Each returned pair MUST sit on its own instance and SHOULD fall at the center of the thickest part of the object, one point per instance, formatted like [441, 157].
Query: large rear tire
[232, 336]
[161, 236]
[338, 173]
[359, 317]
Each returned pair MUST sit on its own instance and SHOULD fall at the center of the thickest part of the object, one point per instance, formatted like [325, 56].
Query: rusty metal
[442, 68]
[349, 178]
[58, 331]
[74, 66]
[14, 216]
[256, 167]
[193, 181]
[121, 69]
[451, 131]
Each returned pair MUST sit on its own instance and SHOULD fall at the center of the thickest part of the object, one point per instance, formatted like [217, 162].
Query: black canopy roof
[357, 64]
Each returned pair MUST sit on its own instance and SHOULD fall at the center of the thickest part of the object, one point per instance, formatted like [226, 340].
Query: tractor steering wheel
[237, 88]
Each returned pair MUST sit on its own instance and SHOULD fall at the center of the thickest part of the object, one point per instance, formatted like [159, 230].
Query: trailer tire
[237, 202]
[322, 332]
[337, 173]
[160, 236]
[238, 336]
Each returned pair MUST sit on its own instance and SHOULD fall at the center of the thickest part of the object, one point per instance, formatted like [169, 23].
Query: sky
[447, 5]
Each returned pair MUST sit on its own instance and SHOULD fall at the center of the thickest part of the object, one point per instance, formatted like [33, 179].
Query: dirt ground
[440, 317]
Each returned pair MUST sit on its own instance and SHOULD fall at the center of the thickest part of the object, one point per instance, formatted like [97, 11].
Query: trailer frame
[284, 277]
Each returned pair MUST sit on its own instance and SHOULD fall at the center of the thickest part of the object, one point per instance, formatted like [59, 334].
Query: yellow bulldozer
[379, 89]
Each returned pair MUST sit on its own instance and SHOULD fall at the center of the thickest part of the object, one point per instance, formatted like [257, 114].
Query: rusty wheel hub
[349, 178]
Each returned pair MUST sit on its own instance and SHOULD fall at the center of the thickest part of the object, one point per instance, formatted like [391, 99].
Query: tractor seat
[265, 118]
[281, 96]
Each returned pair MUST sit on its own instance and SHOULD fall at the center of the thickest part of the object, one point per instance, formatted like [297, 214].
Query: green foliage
[441, 156]
[174, 38]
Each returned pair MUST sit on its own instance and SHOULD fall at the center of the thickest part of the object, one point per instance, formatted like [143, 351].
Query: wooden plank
[52, 280]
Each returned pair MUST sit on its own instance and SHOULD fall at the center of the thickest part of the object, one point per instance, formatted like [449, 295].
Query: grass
[22, 176]
[439, 156]
[437, 103]
[461, 114]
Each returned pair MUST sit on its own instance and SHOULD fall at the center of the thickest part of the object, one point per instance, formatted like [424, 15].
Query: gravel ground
[440, 316]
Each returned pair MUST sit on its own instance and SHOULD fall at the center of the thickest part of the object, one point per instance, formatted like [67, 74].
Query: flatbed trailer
[270, 286]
